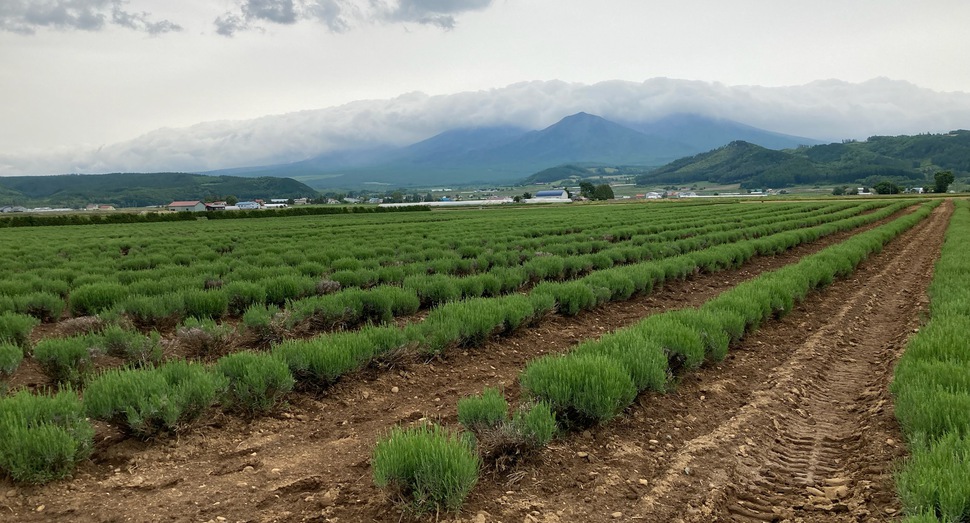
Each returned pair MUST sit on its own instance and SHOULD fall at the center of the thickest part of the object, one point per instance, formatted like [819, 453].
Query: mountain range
[504, 154]
[358, 133]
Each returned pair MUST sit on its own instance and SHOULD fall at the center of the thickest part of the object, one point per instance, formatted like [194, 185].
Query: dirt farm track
[795, 425]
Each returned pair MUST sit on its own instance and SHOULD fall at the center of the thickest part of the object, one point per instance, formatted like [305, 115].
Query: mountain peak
[582, 115]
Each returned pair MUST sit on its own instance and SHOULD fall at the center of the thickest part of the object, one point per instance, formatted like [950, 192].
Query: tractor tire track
[804, 448]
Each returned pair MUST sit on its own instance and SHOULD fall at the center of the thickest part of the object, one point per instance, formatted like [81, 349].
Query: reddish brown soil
[801, 403]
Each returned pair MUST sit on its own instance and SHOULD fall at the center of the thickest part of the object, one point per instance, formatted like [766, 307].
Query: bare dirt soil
[795, 425]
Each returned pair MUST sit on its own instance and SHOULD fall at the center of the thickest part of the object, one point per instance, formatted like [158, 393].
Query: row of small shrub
[44, 306]
[152, 400]
[429, 468]
[931, 389]
[320, 361]
[15, 329]
[151, 298]
[44, 437]
[31, 220]
[219, 252]
[600, 378]
[469, 323]
[503, 440]
[619, 283]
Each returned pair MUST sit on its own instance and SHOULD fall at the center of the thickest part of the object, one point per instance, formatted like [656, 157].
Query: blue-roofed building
[557, 195]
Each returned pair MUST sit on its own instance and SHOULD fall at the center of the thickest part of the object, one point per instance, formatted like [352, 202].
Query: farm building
[215, 206]
[558, 195]
[191, 206]
[247, 205]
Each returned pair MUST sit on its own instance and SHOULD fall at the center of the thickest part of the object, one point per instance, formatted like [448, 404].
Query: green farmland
[155, 334]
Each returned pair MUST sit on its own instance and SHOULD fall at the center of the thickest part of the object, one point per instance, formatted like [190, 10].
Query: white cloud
[828, 110]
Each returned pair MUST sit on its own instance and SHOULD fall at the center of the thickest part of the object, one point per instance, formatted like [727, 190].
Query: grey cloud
[249, 14]
[342, 15]
[276, 11]
[828, 110]
[229, 23]
[141, 22]
[335, 14]
[434, 12]
[26, 16]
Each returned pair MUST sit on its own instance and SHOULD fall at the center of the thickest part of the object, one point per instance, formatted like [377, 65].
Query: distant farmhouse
[189, 206]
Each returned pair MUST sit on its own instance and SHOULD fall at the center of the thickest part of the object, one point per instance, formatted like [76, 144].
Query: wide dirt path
[311, 462]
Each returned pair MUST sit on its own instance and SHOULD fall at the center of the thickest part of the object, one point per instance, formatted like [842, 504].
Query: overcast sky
[89, 73]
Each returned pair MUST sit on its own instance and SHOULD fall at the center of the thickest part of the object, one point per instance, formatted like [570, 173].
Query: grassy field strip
[49, 434]
[157, 281]
[646, 355]
[464, 322]
[156, 289]
[347, 308]
[600, 378]
[318, 362]
[931, 389]
[321, 360]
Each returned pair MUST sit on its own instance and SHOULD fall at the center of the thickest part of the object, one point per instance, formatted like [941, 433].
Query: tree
[603, 192]
[586, 190]
[943, 180]
[231, 200]
[526, 195]
[886, 187]
[838, 191]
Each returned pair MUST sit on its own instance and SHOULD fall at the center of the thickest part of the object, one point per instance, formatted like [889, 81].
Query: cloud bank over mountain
[827, 110]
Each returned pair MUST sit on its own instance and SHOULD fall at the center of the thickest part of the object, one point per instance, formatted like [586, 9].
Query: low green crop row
[454, 295]
[320, 361]
[931, 388]
[619, 283]
[70, 360]
[600, 378]
[161, 287]
[45, 436]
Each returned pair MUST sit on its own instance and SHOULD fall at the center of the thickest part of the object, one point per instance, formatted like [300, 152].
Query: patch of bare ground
[311, 462]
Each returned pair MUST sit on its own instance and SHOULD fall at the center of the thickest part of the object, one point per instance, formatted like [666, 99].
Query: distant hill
[904, 159]
[140, 189]
[558, 173]
[508, 154]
